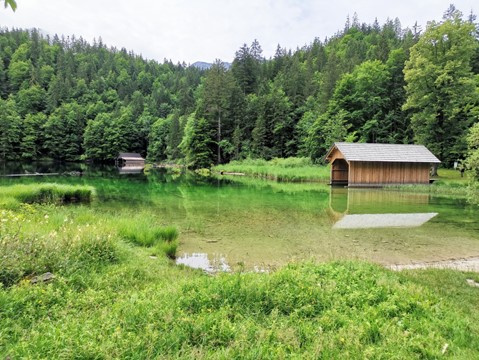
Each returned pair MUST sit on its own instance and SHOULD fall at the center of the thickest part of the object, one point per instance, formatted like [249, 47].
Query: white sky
[204, 30]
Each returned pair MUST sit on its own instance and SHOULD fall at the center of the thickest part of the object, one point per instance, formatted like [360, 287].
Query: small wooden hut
[361, 164]
[130, 159]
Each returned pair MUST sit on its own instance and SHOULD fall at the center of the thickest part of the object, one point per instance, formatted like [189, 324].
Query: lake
[238, 222]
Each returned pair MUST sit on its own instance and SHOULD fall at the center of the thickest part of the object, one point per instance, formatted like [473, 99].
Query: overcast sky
[204, 30]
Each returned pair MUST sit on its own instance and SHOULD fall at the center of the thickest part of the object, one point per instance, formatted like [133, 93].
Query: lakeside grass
[289, 169]
[45, 194]
[111, 299]
[448, 182]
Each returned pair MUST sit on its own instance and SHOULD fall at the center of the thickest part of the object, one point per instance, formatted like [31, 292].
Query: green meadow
[117, 293]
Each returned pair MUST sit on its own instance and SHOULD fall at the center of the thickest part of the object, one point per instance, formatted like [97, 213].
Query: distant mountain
[205, 66]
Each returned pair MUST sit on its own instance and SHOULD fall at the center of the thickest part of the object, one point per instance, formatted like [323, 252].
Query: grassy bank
[110, 298]
[38, 234]
[289, 169]
[448, 182]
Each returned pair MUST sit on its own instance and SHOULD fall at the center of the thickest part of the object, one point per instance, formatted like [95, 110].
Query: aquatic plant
[142, 231]
[167, 248]
[168, 233]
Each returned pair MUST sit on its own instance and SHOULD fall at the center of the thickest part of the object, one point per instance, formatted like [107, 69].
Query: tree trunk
[219, 138]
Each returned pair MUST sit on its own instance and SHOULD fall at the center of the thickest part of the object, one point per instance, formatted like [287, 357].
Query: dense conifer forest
[66, 99]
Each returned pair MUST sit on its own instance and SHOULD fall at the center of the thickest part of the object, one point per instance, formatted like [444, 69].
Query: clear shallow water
[235, 223]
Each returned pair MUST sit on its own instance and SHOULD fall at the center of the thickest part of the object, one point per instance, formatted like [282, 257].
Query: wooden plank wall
[378, 173]
[339, 172]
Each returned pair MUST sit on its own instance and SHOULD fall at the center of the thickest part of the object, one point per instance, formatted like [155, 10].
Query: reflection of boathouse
[130, 163]
[374, 208]
[361, 164]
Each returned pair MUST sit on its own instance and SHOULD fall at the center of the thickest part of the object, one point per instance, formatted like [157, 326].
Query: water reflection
[130, 169]
[372, 208]
[201, 261]
[370, 221]
[255, 224]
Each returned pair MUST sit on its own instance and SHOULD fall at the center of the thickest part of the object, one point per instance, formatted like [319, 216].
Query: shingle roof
[385, 152]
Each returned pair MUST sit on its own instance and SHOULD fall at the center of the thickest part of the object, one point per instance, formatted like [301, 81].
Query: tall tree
[157, 148]
[32, 136]
[361, 98]
[216, 89]
[197, 144]
[247, 67]
[441, 88]
[10, 130]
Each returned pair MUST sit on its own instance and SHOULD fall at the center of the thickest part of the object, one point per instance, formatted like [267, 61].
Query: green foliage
[157, 148]
[67, 248]
[323, 132]
[91, 102]
[441, 88]
[63, 132]
[32, 140]
[472, 163]
[11, 3]
[197, 144]
[10, 127]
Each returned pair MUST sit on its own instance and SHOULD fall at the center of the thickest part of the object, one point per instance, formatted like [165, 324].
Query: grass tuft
[45, 194]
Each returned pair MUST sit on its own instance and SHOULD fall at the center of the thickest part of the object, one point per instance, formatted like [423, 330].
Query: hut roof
[384, 152]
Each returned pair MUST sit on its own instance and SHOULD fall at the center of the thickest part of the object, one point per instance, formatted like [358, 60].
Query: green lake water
[227, 223]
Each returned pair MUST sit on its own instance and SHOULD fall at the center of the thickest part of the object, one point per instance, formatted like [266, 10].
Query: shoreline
[464, 264]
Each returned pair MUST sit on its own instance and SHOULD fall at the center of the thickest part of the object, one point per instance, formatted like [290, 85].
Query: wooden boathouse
[130, 163]
[363, 164]
[129, 159]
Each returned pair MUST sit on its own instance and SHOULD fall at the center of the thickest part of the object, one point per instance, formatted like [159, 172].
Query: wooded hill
[66, 99]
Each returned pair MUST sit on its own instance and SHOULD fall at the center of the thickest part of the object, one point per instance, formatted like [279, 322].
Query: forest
[65, 99]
